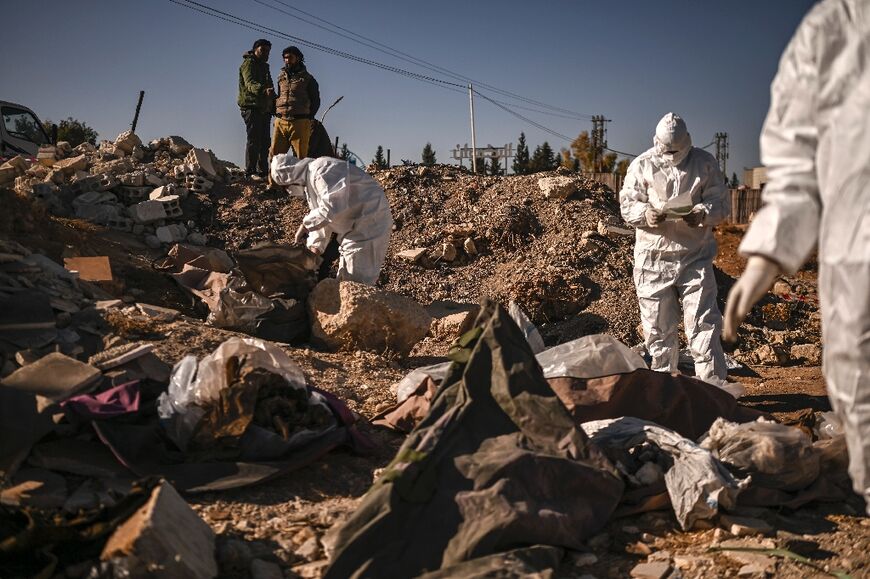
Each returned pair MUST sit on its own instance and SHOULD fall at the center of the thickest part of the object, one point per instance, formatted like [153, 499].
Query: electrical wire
[374, 44]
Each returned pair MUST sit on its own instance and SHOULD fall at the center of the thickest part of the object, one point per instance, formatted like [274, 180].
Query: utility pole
[722, 153]
[138, 108]
[473, 138]
[599, 140]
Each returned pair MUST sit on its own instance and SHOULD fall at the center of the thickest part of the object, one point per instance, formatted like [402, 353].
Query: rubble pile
[124, 184]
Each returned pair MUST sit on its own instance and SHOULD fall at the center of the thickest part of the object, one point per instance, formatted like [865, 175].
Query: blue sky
[633, 61]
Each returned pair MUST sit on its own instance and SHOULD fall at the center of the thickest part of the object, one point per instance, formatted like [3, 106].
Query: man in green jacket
[257, 101]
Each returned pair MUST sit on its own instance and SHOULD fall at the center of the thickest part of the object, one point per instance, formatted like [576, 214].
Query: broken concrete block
[108, 182]
[163, 191]
[198, 184]
[610, 230]
[172, 206]
[127, 140]
[171, 233]
[446, 252]
[148, 211]
[159, 313]
[557, 187]
[133, 179]
[86, 184]
[81, 149]
[152, 241]
[73, 164]
[47, 155]
[412, 255]
[769, 355]
[808, 353]
[133, 195]
[654, 570]
[54, 376]
[744, 526]
[204, 161]
[164, 538]
[121, 224]
[178, 146]
[352, 315]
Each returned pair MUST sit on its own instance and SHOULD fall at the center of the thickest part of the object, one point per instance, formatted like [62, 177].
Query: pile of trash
[124, 184]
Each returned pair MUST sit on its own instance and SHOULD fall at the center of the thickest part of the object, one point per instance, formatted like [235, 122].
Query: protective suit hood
[672, 139]
[290, 172]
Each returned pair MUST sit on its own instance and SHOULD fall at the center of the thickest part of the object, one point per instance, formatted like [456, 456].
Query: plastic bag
[194, 387]
[775, 455]
[533, 336]
[589, 357]
[829, 426]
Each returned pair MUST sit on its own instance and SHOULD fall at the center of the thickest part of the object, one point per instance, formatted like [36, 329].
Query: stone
[197, 238]
[164, 538]
[152, 241]
[108, 182]
[447, 252]
[178, 146]
[54, 376]
[158, 313]
[86, 184]
[148, 211]
[309, 550]
[311, 570]
[162, 191]
[807, 353]
[171, 233]
[584, 559]
[469, 246]
[412, 255]
[133, 179]
[73, 164]
[744, 526]
[353, 315]
[655, 570]
[120, 355]
[765, 562]
[127, 141]
[557, 187]
[47, 155]
[770, 355]
[610, 230]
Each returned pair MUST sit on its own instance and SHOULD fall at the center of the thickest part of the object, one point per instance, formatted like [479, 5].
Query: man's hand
[653, 217]
[696, 218]
[301, 234]
[759, 275]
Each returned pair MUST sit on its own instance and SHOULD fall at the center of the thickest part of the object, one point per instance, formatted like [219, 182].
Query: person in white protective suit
[345, 200]
[674, 194]
[816, 146]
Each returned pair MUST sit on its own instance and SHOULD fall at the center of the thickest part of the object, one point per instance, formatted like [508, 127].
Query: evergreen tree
[543, 159]
[428, 155]
[379, 159]
[494, 166]
[520, 165]
[735, 182]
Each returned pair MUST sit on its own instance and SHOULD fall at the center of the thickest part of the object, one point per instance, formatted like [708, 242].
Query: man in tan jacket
[297, 103]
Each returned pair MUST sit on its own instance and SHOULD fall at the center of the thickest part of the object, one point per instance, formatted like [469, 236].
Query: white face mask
[674, 158]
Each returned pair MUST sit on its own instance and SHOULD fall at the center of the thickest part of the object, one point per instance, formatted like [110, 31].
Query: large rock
[557, 187]
[810, 354]
[350, 315]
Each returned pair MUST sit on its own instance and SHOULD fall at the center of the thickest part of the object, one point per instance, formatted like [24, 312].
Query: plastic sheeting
[698, 484]
[589, 357]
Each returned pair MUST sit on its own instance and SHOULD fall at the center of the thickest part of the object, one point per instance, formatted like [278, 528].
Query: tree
[73, 131]
[520, 165]
[481, 166]
[494, 166]
[379, 161]
[543, 159]
[735, 182]
[566, 161]
[582, 149]
[622, 167]
[608, 163]
[428, 155]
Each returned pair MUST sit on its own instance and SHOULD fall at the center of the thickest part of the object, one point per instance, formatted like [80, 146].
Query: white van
[21, 131]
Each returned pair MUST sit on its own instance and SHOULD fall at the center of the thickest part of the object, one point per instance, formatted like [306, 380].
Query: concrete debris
[807, 353]
[127, 141]
[349, 315]
[412, 255]
[744, 526]
[655, 570]
[557, 187]
[171, 233]
[164, 538]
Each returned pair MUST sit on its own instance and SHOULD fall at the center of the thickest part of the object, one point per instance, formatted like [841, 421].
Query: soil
[545, 254]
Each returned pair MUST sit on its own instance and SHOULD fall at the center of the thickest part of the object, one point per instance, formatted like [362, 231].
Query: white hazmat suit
[816, 146]
[674, 194]
[345, 200]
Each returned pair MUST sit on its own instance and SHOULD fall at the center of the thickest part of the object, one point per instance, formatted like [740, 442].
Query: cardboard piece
[90, 268]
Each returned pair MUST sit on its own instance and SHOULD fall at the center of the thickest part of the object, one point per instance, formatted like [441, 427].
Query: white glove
[759, 275]
[653, 217]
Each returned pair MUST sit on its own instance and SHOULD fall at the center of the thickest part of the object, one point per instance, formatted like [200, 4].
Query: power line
[227, 17]
[526, 119]
[374, 44]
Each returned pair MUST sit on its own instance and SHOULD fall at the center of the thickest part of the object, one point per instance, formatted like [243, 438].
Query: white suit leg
[361, 261]
[659, 309]
[845, 302]
[702, 320]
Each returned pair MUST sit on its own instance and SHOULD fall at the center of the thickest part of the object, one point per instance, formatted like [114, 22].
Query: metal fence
[744, 202]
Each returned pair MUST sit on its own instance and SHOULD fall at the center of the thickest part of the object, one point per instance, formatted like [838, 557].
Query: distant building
[755, 178]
